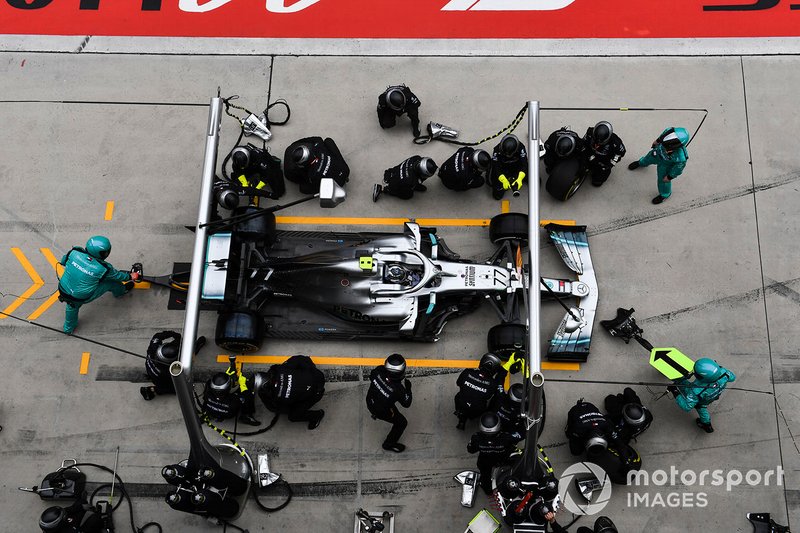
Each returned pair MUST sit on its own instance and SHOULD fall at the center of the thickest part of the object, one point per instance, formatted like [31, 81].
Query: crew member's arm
[113, 274]
[412, 109]
[405, 400]
[472, 446]
[675, 170]
[619, 153]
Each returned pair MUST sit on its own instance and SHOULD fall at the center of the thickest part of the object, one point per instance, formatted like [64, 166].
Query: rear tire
[504, 339]
[509, 226]
[565, 180]
[239, 331]
[258, 229]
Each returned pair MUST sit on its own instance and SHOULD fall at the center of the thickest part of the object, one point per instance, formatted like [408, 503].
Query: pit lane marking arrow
[54, 297]
[35, 278]
[671, 363]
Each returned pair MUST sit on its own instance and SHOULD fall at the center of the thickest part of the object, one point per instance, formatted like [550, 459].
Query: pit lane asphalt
[711, 271]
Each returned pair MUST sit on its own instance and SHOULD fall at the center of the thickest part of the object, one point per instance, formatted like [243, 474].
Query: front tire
[505, 339]
[509, 226]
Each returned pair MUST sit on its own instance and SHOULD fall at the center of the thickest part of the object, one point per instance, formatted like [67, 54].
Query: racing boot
[420, 187]
[318, 416]
[249, 420]
[148, 393]
[708, 428]
[396, 447]
[634, 165]
[658, 199]
[377, 190]
[762, 523]
[128, 286]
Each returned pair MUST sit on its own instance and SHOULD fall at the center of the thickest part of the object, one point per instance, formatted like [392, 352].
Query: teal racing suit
[85, 279]
[667, 165]
[700, 393]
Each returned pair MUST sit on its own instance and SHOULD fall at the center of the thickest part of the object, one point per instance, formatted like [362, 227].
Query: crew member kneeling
[293, 387]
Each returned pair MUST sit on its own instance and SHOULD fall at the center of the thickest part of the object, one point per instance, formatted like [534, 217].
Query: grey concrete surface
[402, 47]
[711, 271]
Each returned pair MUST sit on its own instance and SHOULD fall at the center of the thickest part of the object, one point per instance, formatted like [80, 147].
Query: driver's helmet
[397, 274]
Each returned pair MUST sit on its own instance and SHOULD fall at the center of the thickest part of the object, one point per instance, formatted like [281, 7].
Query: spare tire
[504, 339]
[509, 226]
[257, 229]
[565, 179]
[239, 331]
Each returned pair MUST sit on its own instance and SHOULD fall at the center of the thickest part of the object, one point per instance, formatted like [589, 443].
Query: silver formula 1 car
[332, 285]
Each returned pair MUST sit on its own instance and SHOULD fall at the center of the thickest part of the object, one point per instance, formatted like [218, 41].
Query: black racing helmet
[633, 414]
[489, 424]
[516, 393]
[167, 353]
[53, 519]
[427, 167]
[220, 385]
[395, 366]
[481, 159]
[490, 363]
[240, 157]
[595, 444]
[565, 145]
[301, 155]
[509, 145]
[395, 99]
[601, 133]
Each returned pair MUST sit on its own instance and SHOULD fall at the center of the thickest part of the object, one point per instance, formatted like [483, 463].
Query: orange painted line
[505, 206]
[375, 361]
[377, 221]
[562, 222]
[85, 363]
[35, 278]
[109, 210]
[54, 297]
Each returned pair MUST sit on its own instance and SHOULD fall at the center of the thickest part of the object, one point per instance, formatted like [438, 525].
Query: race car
[369, 285]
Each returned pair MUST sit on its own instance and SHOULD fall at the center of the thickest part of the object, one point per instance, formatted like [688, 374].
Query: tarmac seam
[738, 192]
[763, 286]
